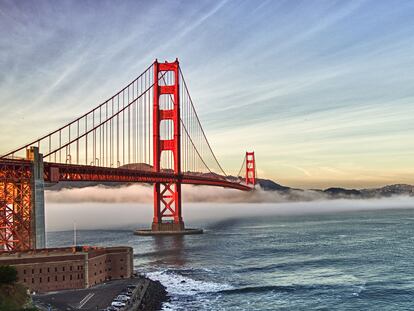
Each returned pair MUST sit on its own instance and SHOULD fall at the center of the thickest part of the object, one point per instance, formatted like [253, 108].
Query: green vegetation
[13, 296]
[8, 275]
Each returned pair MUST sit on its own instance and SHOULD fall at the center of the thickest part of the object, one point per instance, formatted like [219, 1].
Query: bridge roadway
[55, 172]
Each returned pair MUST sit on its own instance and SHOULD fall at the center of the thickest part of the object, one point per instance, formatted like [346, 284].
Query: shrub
[8, 275]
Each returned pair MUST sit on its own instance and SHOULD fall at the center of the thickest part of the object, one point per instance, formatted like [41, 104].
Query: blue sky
[323, 91]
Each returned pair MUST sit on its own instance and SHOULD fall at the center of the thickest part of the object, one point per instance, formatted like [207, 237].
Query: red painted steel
[250, 169]
[112, 143]
[54, 172]
[167, 196]
[15, 192]
[15, 205]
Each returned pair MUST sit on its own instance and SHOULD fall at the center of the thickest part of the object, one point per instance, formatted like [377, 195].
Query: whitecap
[181, 285]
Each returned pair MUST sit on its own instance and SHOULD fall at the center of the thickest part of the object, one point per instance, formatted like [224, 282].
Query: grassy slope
[13, 297]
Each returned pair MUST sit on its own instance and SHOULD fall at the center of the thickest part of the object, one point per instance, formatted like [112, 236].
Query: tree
[8, 275]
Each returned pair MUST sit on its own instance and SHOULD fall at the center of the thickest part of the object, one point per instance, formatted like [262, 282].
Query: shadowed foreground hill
[13, 296]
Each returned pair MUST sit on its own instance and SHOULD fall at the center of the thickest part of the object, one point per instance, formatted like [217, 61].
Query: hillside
[337, 192]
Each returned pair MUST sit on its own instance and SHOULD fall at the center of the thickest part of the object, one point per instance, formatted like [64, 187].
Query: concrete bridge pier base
[38, 233]
[150, 232]
[168, 226]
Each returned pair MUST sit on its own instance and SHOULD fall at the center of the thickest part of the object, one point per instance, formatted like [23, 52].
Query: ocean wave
[359, 290]
[259, 289]
[355, 290]
[178, 284]
[299, 263]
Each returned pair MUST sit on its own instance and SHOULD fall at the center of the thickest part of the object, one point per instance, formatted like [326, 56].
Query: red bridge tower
[167, 196]
[250, 169]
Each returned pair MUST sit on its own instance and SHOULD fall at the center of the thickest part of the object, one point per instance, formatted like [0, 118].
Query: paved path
[91, 299]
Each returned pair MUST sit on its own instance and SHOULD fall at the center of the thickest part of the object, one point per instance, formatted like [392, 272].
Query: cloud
[138, 193]
[131, 207]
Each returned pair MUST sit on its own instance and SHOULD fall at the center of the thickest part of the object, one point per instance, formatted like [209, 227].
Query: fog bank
[61, 216]
[139, 193]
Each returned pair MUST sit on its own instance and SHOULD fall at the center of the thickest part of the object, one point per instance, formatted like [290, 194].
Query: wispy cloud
[323, 88]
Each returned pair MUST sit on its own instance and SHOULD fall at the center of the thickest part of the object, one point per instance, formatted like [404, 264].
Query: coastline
[149, 295]
[152, 297]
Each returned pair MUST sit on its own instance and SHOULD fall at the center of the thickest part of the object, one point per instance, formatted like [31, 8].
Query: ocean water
[344, 261]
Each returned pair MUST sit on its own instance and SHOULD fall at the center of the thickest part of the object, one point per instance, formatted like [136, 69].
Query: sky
[322, 91]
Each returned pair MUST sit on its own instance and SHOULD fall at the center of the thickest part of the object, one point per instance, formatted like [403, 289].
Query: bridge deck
[55, 172]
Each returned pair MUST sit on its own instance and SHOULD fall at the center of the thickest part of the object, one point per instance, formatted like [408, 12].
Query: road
[91, 299]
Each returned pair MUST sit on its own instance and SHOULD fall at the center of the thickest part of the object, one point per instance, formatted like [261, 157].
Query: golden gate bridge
[148, 132]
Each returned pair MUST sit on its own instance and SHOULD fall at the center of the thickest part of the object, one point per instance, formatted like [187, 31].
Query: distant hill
[337, 192]
[388, 191]
[342, 193]
[270, 185]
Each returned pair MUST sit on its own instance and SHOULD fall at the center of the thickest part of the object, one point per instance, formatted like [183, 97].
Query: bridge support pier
[167, 205]
[167, 196]
[38, 235]
[22, 217]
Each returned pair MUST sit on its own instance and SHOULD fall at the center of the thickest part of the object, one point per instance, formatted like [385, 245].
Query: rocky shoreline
[153, 297]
